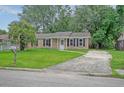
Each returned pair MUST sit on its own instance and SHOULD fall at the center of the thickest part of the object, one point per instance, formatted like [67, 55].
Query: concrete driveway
[93, 63]
[9, 78]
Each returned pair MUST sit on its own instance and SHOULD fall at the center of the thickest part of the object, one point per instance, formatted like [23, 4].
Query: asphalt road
[10, 78]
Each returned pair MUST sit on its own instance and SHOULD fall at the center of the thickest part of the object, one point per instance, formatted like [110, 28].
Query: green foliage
[47, 18]
[21, 32]
[2, 32]
[63, 19]
[120, 11]
[41, 17]
[101, 21]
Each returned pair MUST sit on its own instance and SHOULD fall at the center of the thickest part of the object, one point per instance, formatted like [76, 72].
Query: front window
[71, 42]
[84, 42]
[47, 42]
[68, 42]
[77, 42]
[44, 42]
[80, 42]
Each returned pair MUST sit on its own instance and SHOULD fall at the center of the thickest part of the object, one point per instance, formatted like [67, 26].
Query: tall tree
[41, 17]
[120, 11]
[63, 18]
[101, 21]
[48, 18]
[21, 32]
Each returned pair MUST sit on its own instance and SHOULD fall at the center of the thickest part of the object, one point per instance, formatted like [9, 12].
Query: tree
[101, 21]
[120, 11]
[21, 32]
[41, 17]
[2, 32]
[63, 19]
[47, 18]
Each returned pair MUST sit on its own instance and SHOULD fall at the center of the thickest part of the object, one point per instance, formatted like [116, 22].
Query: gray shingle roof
[4, 37]
[121, 37]
[63, 35]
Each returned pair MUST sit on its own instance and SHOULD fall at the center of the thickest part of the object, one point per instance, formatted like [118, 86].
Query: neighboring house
[4, 38]
[63, 40]
[120, 42]
[4, 41]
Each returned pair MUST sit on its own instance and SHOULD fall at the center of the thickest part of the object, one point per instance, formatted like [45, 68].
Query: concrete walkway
[93, 63]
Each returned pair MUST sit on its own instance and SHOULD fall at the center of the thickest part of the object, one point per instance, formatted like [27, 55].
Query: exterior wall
[86, 43]
[54, 43]
[40, 43]
[65, 43]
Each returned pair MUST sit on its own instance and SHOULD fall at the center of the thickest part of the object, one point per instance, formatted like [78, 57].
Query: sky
[9, 13]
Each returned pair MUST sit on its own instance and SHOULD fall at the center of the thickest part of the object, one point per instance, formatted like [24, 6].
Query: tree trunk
[22, 42]
[14, 59]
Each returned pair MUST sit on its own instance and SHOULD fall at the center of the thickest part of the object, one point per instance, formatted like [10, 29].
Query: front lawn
[117, 62]
[36, 58]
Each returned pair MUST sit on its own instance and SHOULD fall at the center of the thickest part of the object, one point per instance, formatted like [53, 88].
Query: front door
[61, 44]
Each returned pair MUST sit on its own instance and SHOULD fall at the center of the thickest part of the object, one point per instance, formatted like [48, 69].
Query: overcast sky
[8, 13]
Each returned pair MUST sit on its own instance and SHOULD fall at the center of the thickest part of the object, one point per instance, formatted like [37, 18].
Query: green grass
[117, 62]
[117, 59]
[36, 58]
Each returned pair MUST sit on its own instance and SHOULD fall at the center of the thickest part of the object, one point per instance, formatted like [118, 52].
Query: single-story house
[120, 42]
[58, 40]
[63, 40]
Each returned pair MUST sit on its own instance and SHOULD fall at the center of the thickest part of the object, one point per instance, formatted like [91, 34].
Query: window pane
[77, 42]
[74, 41]
[71, 42]
[44, 42]
[80, 42]
[68, 42]
[84, 42]
[49, 42]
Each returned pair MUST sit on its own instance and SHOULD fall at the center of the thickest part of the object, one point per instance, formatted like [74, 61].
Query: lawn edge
[22, 69]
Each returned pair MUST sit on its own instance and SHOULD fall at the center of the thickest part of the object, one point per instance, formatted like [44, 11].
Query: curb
[21, 69]
[44, 69]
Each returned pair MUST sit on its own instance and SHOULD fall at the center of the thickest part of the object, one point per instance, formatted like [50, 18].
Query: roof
[121, 37]
[64, 35]
[4, 37]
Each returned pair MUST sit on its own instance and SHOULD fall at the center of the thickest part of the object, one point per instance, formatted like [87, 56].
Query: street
[9, 78]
